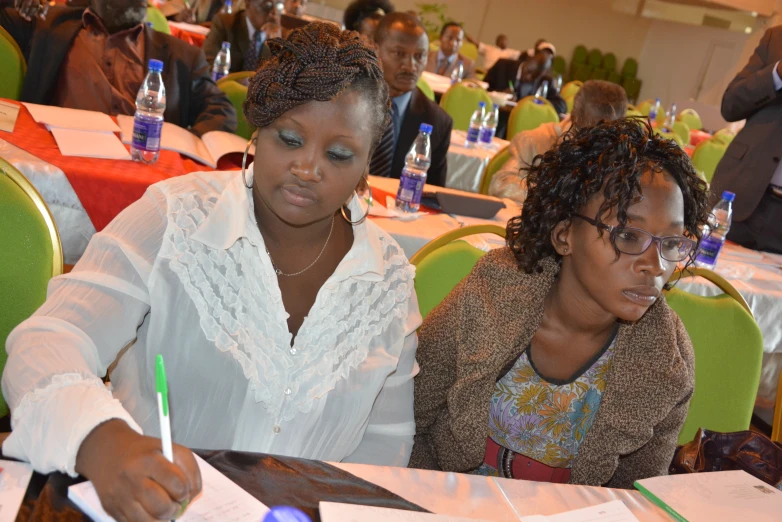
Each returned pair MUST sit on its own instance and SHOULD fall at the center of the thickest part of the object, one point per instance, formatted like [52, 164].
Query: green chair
[158, 19]
[609, 62]
[582, 72]
[630, 68]
[570, 88]
[614, 77]
[691, 118]
[444, 261]
[707, 156]
[632, 87]
[13, 65]
[558, 66]
[595, 58]
[580, 55]
[645, 107]
[469, 50]
[495, 164]
[238, 77]
[725, 136]
[30, 253]
[598, 74]
[530, 113]
[461, 100]
[682, 130]
[728, 354]
[425, 88]
[670, 135]
[237, 93]
[570, 101]
[632, 112]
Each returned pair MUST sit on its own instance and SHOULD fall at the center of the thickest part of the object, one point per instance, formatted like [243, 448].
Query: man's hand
[29, 9]
[272, 30]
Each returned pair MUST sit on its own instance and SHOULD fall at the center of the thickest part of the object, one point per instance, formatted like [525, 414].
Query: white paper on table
[9, 112]
[14, 478]
[390, 211]
[719, 496]
[614, 511]
[333, 512]
[71, 118]
[220, 500]
[89, 144]
[207, 149]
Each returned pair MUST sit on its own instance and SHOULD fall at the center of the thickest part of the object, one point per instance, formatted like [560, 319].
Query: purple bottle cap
[286, 514]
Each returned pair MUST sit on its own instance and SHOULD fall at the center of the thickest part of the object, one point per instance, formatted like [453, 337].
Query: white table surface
[440, 84]
[503, 500]
[466, 166]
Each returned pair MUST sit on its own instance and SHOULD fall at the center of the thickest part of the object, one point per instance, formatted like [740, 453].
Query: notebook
[719, 496]
[76, 119]
[208, 149]
[220, 499]
[333, 512]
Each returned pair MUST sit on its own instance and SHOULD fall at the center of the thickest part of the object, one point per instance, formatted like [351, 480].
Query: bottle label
[487, 134]
[473, 134]
[410, 188]
[216, 75]
[146, 134]
[709, 250]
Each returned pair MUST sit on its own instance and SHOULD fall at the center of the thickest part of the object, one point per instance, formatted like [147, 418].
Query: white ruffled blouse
[184, 272]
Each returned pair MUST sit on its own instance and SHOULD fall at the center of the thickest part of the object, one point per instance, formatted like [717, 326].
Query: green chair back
[443, 262]
[158, 19]
[728, 354]
[682, 130]
[598, 74]
[530, 113]
[30, 253]
[630, 68]
[615, 77]
[495, 164]
[582, 72]
[632, 87]
[461, 100]
[707, 156]
[595, 58]
[13, 65]
[691, 118]
[558, 66]
[238, 77]
[633, 113]
[469, 50]
[609, 62]
[645, 108]
[570, 101]
[570, 88]
[670, 135]
[237, 93]
[725, 136]
[580, 55]
[425, 88]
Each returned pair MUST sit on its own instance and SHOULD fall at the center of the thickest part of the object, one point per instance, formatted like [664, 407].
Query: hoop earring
[244, 162]
[364, 217]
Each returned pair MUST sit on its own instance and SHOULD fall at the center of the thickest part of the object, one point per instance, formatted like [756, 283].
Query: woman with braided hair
[286, 320]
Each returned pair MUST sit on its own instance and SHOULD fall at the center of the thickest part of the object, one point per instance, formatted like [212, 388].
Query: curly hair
[357, 11]
[316, 62]
[610, 157]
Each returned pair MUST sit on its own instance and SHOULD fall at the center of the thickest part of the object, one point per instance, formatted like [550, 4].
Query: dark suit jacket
[192, 98]
[467, 64]
[422, 110]
[231, 28]
[753, 156]
[503, 73]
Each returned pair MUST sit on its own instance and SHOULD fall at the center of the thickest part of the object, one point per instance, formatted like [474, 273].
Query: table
[440, 84]
[466, 166]
[304, 483]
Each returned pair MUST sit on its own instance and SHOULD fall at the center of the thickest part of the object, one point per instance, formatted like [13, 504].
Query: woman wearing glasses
[557, 359]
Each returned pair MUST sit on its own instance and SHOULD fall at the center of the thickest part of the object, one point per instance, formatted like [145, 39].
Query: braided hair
[316, 62]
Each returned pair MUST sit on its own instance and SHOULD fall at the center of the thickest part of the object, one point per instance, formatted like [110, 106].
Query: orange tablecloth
[104, 187]
[697, 136]
[186, 36]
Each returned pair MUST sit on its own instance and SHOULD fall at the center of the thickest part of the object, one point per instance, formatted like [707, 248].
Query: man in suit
[445, 60]
[96, 59]
[247, 31]
[751, 166]
[403, 46]
[526, 75]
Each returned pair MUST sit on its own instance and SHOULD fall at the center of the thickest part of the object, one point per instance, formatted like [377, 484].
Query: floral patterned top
[546, 419]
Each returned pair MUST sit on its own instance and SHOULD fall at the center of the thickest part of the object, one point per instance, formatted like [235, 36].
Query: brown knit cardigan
[473, 337]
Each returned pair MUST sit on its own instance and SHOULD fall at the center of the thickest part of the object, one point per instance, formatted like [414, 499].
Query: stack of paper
[220, 500]
[86, 134]
[14, 477]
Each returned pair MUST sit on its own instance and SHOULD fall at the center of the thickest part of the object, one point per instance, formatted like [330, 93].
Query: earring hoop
[369, 205]
[244, 162]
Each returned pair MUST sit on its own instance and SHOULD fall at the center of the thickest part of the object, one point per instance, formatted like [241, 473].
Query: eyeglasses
[635, 241]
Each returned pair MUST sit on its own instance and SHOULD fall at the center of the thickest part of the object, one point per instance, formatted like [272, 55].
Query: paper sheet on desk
[71, 118]
[390, 211]
[8, 114]
[332, 512]
[220, 500]
[89, 144]
[614, 511]
[14, 477]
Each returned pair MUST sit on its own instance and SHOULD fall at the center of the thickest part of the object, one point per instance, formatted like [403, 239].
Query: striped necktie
[384, 154]
[254, 53]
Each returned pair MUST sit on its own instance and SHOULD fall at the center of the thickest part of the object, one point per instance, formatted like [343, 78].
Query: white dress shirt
[492, 54]
[184, 272]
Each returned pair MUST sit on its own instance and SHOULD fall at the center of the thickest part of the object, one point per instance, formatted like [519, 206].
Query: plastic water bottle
[222, 65]
[476, 124]
[458, 73]
[670, 119]
[654, 110]
[542, 92]
[489, 128]
[715, 231]
[228, 7]
[286, 514]
[148, 120]
[413, 177]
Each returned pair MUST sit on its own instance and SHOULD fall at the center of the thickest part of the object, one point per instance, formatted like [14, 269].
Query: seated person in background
[403, 47]
[199, 12]
[295, 7]
[448, 57]
[526, 75]
[363, 16]
[558, 359]
[247, 31]
[490, 54]
[596, 101]
[217, 271]
[96, 59]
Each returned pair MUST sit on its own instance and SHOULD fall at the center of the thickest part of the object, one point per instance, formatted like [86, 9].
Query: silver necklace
[280, 272]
